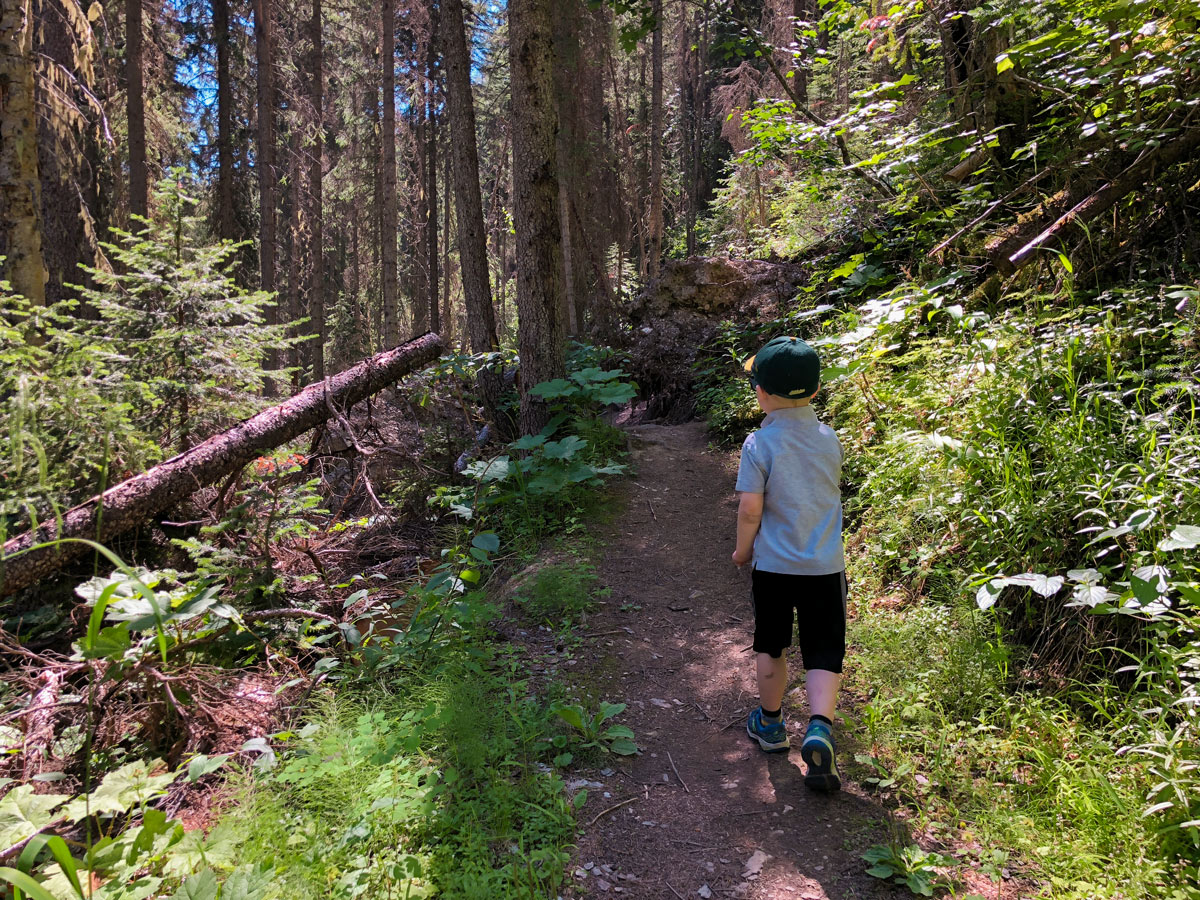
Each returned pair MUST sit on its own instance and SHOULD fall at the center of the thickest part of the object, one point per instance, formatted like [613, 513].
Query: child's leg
[822, 692]
[772, 680]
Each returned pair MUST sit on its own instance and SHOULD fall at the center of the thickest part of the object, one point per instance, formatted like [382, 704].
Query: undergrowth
[1020, 501]
[422, 781]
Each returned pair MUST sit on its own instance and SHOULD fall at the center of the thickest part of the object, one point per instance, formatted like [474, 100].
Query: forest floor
[701, 811]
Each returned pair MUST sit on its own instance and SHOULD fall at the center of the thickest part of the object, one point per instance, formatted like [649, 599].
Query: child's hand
[741, 559]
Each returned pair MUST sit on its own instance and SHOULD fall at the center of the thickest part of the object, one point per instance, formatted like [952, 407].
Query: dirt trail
[707, 803]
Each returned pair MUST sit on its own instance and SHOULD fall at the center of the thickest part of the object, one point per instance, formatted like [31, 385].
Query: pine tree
[540, 288]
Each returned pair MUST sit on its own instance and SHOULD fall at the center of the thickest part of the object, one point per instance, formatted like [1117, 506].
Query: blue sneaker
[818, 752]
[771, 736]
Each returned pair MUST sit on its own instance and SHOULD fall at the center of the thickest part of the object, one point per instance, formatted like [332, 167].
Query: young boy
[790, 525]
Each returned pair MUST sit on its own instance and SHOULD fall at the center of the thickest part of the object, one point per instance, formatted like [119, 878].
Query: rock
[705, 891]
[602, 885]
[716, 286]
[660, 703]
[581, 873]
[754, 864]
[579, 783]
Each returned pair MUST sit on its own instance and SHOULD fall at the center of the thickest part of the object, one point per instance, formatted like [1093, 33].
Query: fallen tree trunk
[132, 502]
[1014, 252]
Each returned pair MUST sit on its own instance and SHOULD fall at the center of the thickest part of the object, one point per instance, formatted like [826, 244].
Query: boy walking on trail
[790, 525]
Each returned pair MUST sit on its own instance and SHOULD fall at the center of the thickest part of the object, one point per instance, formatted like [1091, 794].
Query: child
[790, 525]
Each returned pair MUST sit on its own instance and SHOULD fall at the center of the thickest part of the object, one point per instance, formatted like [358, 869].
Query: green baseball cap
[786, 367]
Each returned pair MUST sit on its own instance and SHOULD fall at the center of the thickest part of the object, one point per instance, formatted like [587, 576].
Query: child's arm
[750, 509]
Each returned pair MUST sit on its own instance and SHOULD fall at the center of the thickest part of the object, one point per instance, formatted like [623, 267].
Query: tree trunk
[20, 186]
[656, 141]
[420, 216]
[135, 110]
[296, 252]
[535, 206]
[571, 314]
[132, 502]
[267, 179]
[225, 224]
[388, 221]
[316, 298]
[472, 243]
[431, 189]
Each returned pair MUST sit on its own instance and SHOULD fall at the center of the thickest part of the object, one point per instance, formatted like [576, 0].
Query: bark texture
[267, 178]
[20, 188]
[225, 224]
[656, 141]
[132, 502]
[316, 298]
[388, 206]
[135, 109]
[540, 291]
[431, 188]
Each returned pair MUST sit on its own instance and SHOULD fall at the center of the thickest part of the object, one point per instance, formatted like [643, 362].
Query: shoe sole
[767, 746]
[820, 775]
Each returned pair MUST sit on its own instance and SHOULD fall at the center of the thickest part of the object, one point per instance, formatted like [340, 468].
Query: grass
[560, 593]
[424, 784]
[1030, 774]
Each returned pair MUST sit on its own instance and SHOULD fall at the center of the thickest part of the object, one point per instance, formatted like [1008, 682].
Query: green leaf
[24, 813]
[919, 883]
[564, 449]
[549, 482]
[354, 598]
[848, 266]
[1066, 263]
[623, 747]
[487, 541]
[62, 855]
[201, 886]
[614, 394]
[878, 853]
[490, 470]
[529, 442]
[469, 575]
[1044, 585]
[132, 785]
[881, 870]
[1003, 63]
[563, 760]
[205, 765]
[248, 882]
[552, 390]
[572, 715]
[25, 883]
[579, 800]
[110, 643]
[608, 710]
[1146, 591]
[1182, 537]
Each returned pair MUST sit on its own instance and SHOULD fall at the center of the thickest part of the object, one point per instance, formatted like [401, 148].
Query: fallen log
[1013, 253]
[130, 503]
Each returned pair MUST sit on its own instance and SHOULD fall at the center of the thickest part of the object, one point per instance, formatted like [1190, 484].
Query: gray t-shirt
[796, 462]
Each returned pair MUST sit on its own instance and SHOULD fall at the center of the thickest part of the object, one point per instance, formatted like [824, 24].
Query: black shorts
[818, 601]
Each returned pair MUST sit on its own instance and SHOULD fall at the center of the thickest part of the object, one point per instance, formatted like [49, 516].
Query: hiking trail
[701, 811]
